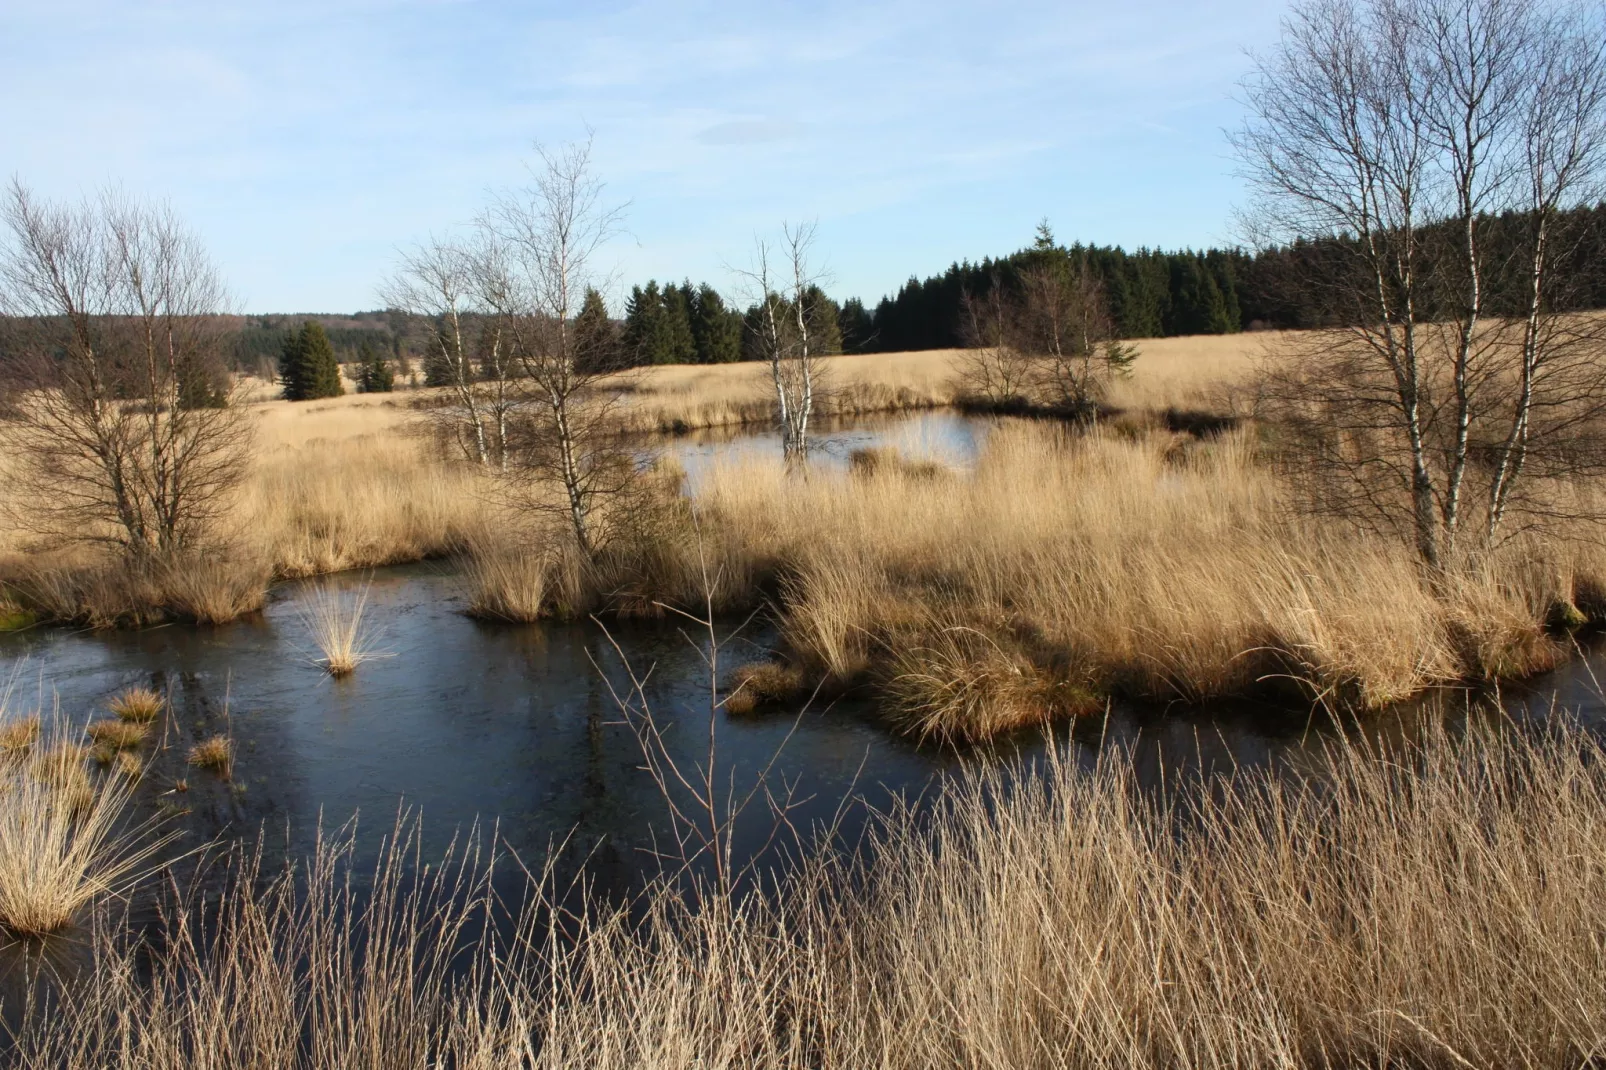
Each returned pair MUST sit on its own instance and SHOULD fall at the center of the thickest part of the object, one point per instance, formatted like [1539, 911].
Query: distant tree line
[1152, 293]
[673, 323]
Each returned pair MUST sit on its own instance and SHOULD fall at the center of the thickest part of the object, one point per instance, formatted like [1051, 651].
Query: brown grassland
[1427, 902]
[1063, 567]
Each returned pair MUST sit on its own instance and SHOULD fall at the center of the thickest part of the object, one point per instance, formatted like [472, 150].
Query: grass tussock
[215, 754]
[960, 683]
[518, 584]
[98, 592]
[115, 734]
[66, 840]
[336, 621]
[762, 684]
[139, 705]
[18, 734]
[1433, 906]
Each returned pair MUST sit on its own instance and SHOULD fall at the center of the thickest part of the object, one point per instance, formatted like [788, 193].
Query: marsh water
[518, 728]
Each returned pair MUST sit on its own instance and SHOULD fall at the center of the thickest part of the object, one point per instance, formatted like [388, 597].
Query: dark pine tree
[855, 326]
[596, 337]
[307, 366]
[680, 345]
[644, 333]
[716, 330]
[374, 374]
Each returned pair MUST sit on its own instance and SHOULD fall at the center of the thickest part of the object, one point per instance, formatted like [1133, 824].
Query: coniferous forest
[1148, 293]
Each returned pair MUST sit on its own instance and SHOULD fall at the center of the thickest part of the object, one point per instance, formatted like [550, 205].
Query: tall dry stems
[1431, 903]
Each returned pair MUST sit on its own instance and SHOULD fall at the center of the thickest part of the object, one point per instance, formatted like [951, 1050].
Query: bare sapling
[541, 242]
[703, 800]
[787, 330]
[1042, 336]
[443, 281]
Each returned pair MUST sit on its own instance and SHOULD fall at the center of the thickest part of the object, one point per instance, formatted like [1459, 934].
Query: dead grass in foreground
[1433, 906]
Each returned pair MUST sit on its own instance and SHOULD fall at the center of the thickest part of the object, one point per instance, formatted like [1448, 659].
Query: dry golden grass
[351, 482]
[18, 734]
[759, 684]
[115, 734]
[1436, 905]
[140, 705]
[1159, 567]
[65, 841]
[215, 753]
[517, 583]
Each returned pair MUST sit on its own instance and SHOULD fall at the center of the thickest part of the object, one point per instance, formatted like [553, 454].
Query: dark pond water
[517, 728]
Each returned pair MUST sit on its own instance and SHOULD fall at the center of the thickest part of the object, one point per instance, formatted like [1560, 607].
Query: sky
[307, 141]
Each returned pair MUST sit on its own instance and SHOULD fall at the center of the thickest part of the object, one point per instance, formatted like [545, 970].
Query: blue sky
[306, 141]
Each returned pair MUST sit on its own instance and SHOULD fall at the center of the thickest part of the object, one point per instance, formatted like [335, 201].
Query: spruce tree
[596, 338]
[680, 346]
[644, 339]
[374, 375]
[825, 333]
[855, 326]
[307, 366]
[292, 367]
[716, 329]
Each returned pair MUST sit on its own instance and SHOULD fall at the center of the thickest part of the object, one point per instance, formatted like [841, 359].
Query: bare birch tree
[545, 237]
[121, 430]
[787, 297]
[441, 281]
[1402, 131]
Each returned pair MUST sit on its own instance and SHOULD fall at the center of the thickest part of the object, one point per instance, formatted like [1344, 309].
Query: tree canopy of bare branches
[445, 281]
[120, 430]
[540, 243]
[1042, 335]
[1414, 130]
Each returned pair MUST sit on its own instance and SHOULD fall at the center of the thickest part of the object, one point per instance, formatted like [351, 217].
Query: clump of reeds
[65, 840]
[213, 588]
[888, 461]
[514, 585]
[761, 684]
[215, 753]
[139, 705]
[129, 765]
[336, 622]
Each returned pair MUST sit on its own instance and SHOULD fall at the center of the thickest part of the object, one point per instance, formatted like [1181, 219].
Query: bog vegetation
[1404, 494]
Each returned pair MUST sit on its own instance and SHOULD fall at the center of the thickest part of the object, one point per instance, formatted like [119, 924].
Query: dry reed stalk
[1432, 904]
